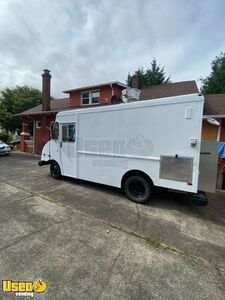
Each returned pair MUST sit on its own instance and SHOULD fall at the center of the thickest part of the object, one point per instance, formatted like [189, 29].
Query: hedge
[5, 137]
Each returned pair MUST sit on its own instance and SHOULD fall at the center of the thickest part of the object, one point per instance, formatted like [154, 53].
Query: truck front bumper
[43, 162]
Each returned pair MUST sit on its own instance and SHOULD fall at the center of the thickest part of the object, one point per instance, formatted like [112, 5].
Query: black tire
[138, 188]
[55, 170]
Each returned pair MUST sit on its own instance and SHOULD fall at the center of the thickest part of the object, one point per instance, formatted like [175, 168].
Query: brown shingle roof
[56, 105]
[169, 90]
[214, 105]
[96, 86]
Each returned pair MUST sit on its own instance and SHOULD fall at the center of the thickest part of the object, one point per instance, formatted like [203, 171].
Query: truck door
[68, 149]
[208, 166]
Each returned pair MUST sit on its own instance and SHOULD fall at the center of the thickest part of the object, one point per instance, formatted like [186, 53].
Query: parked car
[4, 148]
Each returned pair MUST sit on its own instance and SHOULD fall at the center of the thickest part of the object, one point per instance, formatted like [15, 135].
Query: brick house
[36, 121]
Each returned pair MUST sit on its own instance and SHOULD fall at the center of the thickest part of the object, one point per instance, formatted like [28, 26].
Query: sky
[84, 42]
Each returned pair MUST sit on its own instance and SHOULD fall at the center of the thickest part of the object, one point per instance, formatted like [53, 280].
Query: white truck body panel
[112, 140]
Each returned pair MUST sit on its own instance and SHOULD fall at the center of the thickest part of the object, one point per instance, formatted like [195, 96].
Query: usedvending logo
[24, 288]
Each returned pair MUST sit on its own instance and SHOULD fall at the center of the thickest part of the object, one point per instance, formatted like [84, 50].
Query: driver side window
[68, 133]
[55, 132]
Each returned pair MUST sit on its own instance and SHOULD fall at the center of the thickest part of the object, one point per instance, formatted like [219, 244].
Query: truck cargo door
[68, 149]
[208, 166]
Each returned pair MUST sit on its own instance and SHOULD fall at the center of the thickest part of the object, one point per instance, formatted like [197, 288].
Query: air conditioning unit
[130, 95]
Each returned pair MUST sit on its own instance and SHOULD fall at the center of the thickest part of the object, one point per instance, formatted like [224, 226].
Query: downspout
[112, 88]
[219, 131]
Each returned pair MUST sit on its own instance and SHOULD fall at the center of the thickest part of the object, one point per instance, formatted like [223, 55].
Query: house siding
[40, 135]
[222, 131]
[209, 131]
[105, 95]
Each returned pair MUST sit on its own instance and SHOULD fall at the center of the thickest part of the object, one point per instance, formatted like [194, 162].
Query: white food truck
[135, 146]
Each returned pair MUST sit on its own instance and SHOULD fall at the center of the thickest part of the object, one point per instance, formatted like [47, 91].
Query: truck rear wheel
[55, 170]
[138, 188]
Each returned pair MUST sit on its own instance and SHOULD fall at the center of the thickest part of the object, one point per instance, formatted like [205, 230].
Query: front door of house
[68, 149]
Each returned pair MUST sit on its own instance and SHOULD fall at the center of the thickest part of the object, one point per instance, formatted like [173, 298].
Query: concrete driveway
[89, 242]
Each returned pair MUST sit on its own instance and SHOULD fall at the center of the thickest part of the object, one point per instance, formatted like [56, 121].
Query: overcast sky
[87, 42]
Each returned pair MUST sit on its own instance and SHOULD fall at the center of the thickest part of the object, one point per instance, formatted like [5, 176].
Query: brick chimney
[135, 80]
[46, 82]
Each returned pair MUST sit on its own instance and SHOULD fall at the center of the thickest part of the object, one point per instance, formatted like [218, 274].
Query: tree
[14, 101]
[152, 76]
[215, 82]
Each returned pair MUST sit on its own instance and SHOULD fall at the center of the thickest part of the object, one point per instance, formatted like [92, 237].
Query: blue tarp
[221, 150]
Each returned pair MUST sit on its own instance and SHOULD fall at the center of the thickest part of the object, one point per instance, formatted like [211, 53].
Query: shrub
[5, 137]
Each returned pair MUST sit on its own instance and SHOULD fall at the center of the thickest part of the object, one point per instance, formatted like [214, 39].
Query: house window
[85, 98]
[88, 98]
[38, 124]
[68, 133]
[95, 97]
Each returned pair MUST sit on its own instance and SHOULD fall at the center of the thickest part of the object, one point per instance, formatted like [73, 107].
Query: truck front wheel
[55, 170]
[138, 188]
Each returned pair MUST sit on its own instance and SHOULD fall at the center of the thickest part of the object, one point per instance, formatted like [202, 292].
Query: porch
[35, 133]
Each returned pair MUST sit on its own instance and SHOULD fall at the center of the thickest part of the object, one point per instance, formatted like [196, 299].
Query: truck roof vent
[130, 95]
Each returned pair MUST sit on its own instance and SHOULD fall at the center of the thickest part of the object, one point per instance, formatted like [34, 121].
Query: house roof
[157, 91]
[56, 106]
[169, 90]
[96, 86]
[215, 105]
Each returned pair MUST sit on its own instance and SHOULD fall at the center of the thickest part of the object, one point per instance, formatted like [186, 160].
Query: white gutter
[214, 116]
[112, 88]
[219, 131]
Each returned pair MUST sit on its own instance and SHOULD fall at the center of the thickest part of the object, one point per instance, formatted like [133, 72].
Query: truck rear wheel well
[135, 172]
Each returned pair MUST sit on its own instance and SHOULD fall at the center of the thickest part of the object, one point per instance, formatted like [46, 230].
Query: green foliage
[215, 82]
[5, 137]
[14, 101]
[129, 78]
[152, 76]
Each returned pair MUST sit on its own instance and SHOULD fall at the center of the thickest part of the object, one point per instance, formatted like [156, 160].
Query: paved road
[89, 242]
